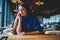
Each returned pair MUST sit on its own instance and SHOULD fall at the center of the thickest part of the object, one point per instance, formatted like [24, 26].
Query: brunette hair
[25, 6]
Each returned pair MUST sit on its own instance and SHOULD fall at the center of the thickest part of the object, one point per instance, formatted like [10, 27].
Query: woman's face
[22, 10]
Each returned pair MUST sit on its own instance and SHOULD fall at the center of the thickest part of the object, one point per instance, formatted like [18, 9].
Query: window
[0, 11]
[6, 15]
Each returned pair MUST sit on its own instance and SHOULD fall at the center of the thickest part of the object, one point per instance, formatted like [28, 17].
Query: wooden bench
[34, 37]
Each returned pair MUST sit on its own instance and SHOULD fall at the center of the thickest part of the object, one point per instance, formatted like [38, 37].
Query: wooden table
[34, 37]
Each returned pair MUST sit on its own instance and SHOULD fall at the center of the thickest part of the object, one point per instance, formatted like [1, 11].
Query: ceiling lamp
[39, 3]
[15, 10]
[16, 1]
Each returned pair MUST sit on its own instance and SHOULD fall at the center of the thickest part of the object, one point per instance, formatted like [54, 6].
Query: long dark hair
[27, 8]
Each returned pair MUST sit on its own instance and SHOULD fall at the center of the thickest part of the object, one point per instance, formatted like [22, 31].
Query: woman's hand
[19, 15]
[21, 33]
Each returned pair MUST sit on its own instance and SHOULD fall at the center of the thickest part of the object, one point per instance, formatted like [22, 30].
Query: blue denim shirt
[30, 24]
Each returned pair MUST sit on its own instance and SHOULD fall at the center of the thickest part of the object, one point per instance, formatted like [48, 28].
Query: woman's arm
[19, 26]
[33, 33]
[13, 26]
[15, 23]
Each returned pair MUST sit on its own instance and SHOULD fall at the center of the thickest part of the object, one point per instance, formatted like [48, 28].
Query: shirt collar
[27, 17]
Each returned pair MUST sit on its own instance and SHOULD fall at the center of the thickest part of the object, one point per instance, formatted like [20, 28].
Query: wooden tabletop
[33, 37]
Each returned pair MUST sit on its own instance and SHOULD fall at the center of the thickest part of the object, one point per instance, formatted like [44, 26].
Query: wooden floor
[34, 37]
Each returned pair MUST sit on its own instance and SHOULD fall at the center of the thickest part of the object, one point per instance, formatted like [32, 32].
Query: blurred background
[47, 12]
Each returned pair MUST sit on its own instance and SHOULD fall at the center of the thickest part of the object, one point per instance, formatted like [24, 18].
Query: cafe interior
[46, 11]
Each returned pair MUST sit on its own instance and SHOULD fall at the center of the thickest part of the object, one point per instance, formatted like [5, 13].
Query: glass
[0, 11]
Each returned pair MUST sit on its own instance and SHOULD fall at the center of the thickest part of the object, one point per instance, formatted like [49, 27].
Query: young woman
[24, 23]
